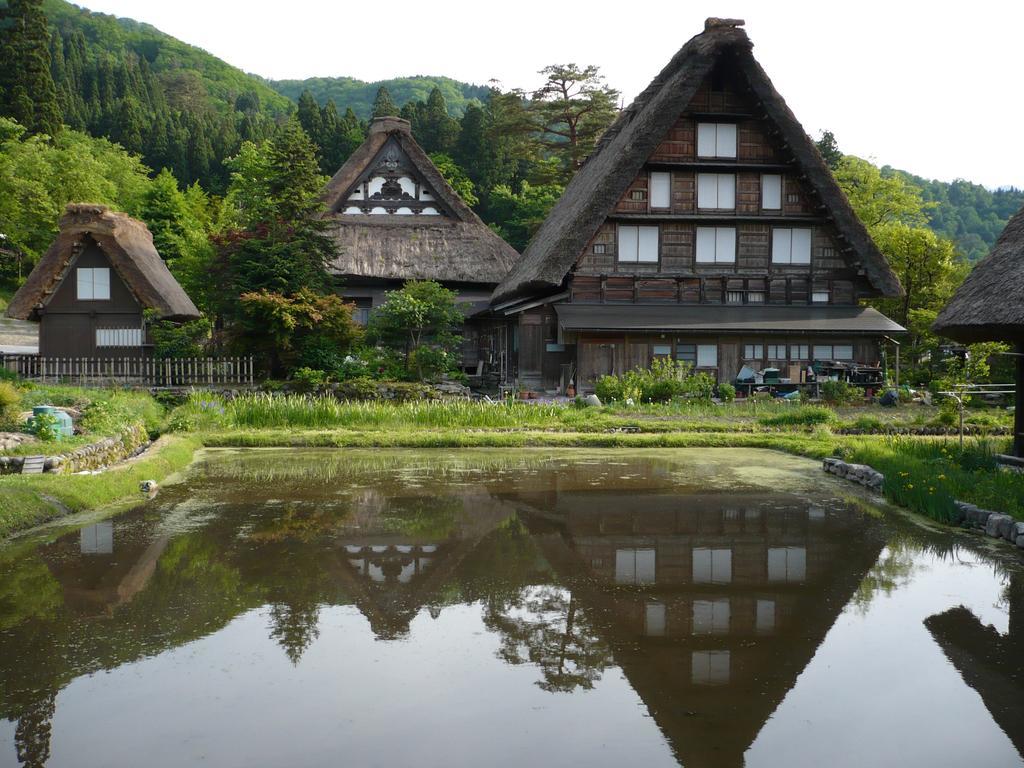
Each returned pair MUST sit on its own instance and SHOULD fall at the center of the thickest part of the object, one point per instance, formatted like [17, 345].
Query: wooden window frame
[92, 271]
[718, 177]
[735, 250]
[790, 262]
[782, 184]
[618, 241]
[650, 186]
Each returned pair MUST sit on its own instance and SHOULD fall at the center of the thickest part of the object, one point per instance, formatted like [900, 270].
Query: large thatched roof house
[90, 289]
[395, 218]
[989, 306]
[705, 192]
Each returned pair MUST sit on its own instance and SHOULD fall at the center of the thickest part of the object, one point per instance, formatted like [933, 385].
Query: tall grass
[928, 475]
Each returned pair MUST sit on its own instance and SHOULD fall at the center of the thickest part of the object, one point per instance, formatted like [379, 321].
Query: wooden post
[1018, 413]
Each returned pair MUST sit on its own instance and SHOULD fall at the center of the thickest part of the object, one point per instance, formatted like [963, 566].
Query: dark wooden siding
[68, 325]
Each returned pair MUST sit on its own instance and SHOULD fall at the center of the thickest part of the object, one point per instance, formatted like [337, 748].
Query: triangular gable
[627, 145]
[391, 154]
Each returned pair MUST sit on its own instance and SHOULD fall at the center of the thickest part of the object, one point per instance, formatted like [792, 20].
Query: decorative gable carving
[391, 185]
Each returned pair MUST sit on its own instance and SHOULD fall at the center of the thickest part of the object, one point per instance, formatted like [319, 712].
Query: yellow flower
[910, 486]
[942, 477]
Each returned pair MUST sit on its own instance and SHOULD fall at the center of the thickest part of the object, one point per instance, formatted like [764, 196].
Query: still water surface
[536, 608]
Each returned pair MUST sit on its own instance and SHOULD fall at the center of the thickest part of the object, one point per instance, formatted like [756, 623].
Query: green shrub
[8, 375]
[801, 416]
[840, 392]
[308, 379]
[608, 389]
[868, 424]
[726, 392]
[10, 398]
[44, 426]
[358, 389]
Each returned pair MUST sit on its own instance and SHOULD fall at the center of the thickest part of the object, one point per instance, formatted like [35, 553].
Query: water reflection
[692, 575]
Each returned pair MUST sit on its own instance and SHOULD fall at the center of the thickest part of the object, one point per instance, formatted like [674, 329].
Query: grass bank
[28, 500]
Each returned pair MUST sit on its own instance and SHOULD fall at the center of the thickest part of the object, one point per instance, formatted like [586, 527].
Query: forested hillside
[967, 213]
[175, 105]
[358, 95]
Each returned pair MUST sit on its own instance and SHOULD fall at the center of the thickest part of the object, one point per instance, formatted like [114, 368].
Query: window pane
[726, 140]
[687, 352]
[800, 352]
[84, 278]
[765, 615]
[627, 243]
[801, 253]
[820, 297]
[706, 139]
[755, 297]
[725, 245]
[101, 283]
[726, 191]
[843, 352]
[647, 245]
[707, 190]
[625, 566]
[661, 350]
[707, 355]
[771, 191]
[705, 245]
[654, 619]
[734, 297]
[782, 243]
[822, 351]
[661, 190]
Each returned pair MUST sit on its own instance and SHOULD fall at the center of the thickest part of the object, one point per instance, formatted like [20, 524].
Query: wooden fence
[190, 371]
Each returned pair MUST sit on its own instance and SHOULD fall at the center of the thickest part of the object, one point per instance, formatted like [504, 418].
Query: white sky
[930, 87]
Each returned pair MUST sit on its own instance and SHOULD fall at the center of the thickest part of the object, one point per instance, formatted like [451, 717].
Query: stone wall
[102, 453]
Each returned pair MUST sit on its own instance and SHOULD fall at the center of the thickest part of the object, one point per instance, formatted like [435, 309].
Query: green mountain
[176, 105]
[358, 94]
[965, 212]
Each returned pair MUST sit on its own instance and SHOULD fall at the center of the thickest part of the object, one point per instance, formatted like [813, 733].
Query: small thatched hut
[90, 289]
[989, 306]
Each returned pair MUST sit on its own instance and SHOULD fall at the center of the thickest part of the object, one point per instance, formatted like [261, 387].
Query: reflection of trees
[294, 626]
[27, 591]
[544, 626]
[893, 569]
[32, 735]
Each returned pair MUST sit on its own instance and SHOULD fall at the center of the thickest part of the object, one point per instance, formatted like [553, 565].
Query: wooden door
[728, 361]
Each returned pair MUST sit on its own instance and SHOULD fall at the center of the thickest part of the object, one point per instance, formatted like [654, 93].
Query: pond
[715, 607]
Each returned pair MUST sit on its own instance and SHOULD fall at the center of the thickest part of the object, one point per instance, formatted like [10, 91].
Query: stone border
[98, 455]
[856, 473]
[993, 524]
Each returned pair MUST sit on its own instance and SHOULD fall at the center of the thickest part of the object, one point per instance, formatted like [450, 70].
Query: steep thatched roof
[633, 137]
[455, 247]
[989, 305]
[129, 246]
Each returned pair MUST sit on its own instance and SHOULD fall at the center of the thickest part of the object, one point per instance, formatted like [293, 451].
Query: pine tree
[310, 118]
[27, 92]
[383, 106]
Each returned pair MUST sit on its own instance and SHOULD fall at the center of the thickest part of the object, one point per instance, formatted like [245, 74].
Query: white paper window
[823, 352]
[711, 617]
[716, 140]
[800, 351]
[771, 192]
[776, 351]
[787, 563]
[734, 297]
[791, 246]
[661, 189]
[819, 297]
[709, 667]
[712, 566]
[765, 616]
[93, 283]
[638, 244]
[843, 352]
[707, 355]
[755, 297]
[654, 619]
[118, 337]
[662, 350]
[716, 245]
[753, 351]
[716, 191]
[634, 566]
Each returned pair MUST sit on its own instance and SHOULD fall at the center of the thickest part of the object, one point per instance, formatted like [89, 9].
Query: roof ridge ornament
[713, 22]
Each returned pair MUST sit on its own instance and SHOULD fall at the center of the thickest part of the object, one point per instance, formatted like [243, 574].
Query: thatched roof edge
[989, 304]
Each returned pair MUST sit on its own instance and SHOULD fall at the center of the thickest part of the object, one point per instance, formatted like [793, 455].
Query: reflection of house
[708, 600]
[704, 227]
[395, 218]
[390, 571]
[991, 663]
[90, 289]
